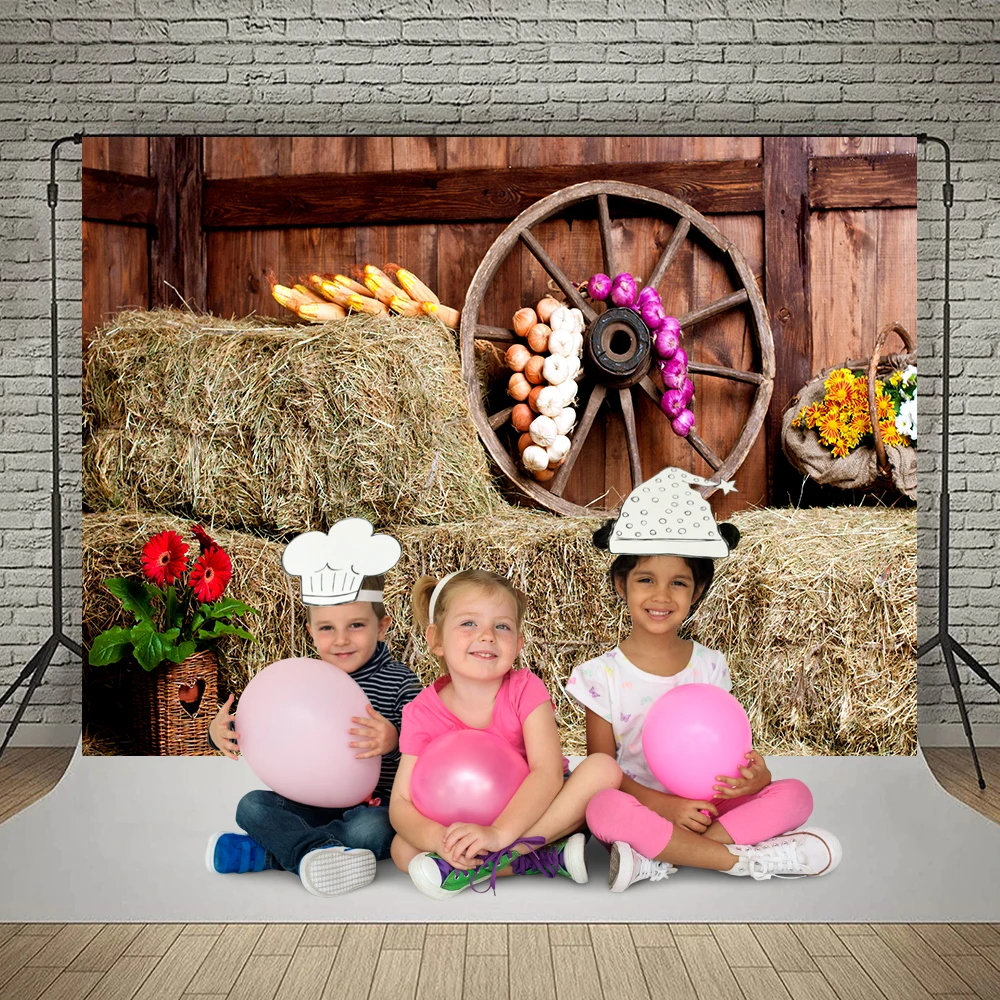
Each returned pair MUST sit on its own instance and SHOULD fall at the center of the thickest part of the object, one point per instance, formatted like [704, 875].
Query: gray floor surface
[123, 839]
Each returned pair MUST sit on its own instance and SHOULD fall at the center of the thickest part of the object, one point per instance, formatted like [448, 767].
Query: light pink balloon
[466, 776]
[293, 720]
[693, 733]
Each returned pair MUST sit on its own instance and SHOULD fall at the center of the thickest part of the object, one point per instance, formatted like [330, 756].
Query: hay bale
[275, 429]
[815, 611]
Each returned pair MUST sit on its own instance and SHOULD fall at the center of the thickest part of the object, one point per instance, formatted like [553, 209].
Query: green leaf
[109, 647]
[197, 620]
[180, 652]
[227, 607]
[220, 629]
[134, 597]
[152, 647]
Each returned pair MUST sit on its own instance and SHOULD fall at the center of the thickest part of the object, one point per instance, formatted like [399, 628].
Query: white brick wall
[584, 66]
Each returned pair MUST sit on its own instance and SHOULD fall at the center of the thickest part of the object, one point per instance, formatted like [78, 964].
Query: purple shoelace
[545, 862]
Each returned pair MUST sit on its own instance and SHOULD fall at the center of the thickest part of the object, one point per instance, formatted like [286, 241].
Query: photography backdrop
[840, 68]
[170, 400]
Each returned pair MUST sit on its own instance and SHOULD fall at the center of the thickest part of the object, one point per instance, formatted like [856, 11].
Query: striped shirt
[390, 685]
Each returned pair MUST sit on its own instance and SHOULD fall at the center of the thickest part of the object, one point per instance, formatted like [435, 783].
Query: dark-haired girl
[666, 540]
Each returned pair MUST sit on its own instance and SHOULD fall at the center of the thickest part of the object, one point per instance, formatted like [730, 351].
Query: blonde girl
[473, 626]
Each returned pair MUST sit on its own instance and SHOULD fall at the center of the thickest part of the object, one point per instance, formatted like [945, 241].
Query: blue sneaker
[234, 854]
[330, 871]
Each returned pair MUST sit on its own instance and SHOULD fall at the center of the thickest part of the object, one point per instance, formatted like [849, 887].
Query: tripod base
[33, 673]
[949, 647]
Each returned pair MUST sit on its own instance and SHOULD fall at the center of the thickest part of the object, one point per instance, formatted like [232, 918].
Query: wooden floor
[531, 961]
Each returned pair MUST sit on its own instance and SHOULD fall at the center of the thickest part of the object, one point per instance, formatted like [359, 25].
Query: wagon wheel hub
[618, 348]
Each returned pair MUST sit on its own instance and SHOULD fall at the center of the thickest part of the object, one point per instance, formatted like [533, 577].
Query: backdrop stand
[35, 669]
[943, 638]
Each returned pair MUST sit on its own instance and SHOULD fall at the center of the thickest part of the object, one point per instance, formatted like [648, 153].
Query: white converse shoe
[330, 871]
[810, 851]
[627, 866]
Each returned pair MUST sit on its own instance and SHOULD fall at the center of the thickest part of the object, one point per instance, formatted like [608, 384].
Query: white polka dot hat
[665, 516]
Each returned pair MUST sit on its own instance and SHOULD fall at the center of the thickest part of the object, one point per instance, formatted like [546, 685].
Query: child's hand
[753, 779]
[468, 840]
[459, 861]
[379, 734]
[222, 736]
[690, 814]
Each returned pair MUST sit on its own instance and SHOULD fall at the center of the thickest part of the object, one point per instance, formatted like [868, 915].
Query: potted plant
[180, 614]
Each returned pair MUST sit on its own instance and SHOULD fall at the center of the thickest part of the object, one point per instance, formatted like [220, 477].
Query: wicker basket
[877, 467]
[173, 705]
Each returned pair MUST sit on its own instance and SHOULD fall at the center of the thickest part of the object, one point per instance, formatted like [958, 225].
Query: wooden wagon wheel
[617, 372]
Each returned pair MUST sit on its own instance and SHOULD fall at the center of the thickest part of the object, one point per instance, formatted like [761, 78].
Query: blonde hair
[491, 583]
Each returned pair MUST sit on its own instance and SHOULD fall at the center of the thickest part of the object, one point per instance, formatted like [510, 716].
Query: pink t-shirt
[427, 717]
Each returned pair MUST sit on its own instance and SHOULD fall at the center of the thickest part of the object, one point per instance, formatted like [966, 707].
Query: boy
[332, 850]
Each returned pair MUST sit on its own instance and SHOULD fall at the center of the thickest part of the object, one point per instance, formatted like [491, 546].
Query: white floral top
[614, 688]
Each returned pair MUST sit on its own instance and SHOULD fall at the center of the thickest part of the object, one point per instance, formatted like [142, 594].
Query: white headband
[437, 590]
[369, 595]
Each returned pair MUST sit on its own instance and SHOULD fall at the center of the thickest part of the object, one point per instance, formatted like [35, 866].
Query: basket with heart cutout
[180, 615]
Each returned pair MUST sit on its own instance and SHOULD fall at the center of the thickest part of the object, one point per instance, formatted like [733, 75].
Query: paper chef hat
[665, 516]
[333, 566]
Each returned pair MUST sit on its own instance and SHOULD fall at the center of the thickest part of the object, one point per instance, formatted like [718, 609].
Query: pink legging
[784, 805]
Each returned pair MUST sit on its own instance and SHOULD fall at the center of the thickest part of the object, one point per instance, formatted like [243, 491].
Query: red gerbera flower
[164, 558]
[205, 540]
[210, 574]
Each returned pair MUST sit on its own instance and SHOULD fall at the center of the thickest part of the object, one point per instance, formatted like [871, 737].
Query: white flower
[906, 422]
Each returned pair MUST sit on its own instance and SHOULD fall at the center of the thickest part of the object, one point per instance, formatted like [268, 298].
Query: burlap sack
[858, 470]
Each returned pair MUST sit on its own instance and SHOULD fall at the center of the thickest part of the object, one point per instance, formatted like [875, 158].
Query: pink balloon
[293, 719]
[693, 733]
[466, 776]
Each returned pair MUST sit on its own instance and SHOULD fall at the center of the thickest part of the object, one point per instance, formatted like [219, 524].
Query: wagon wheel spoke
[669, 252]
[703, 449]
[497, 334]
[713, 308]
[499, 419]
[731, 373]
[579, 436]
[649, 387]
[625, 395]
[604, 219]
[556, 272]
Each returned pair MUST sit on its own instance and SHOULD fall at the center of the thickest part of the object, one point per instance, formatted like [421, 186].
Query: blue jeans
[289, 830]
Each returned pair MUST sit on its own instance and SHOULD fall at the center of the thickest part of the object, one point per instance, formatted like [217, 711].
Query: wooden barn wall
[861, 268]
[115, 257]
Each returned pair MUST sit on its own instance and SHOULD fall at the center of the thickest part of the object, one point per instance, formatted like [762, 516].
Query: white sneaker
[627, 866]
[809, 851]
[330, 871]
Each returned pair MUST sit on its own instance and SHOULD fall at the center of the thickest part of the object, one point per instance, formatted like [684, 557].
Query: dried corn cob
[307, 293]
[349, 283]
[285, 296]
[405, 306]
[331, 290]
[362, 303]
[321, 312]
[446, 314]
[415, 288]
[381, 286]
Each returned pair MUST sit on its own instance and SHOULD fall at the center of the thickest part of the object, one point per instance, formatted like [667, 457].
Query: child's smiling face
[478, 636]
[659, 592]
[346, 635]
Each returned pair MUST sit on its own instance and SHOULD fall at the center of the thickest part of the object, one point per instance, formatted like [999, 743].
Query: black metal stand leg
[35, 669]
[949, 659]
[71, 645]
[977, 668]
